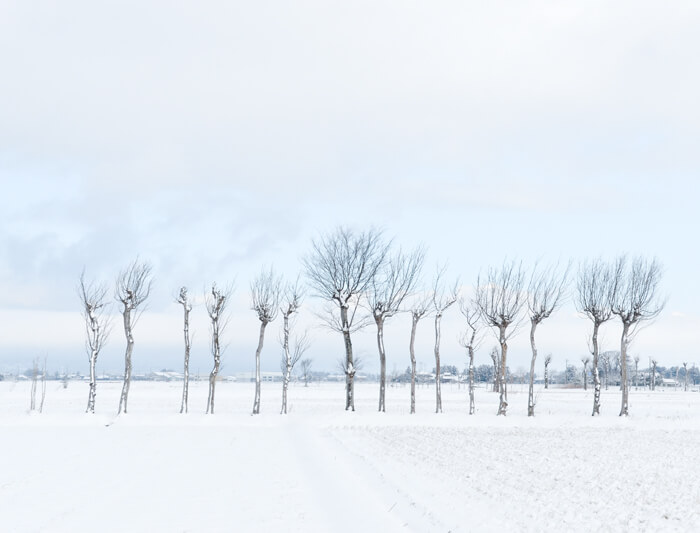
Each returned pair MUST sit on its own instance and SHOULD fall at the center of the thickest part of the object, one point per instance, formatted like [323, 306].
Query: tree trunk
[596, 371]
[414, 326]
[503, 398]
[382, 364]
[531, 388]
[287, 365]
[494, 358]
[93, 383]
[349, 364]
[624, 341]
[546, 375]
[124, 398]
[256, 401]
[438, 391]
[186, 375]
[217, 362]
[471, 380]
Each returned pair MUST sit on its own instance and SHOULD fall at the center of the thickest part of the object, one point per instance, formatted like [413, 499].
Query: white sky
[215, 138]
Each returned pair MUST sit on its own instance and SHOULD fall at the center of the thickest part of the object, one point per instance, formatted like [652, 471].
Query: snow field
[323, 469]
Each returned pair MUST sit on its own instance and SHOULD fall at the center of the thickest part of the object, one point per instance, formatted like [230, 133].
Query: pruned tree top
[393, 282]
[443, 298]
[216, 301]
[635, 295]
[183, 299]
[499, 295]
[291, 298]
[266, 292]
[93, 297]
[342, 264]
[546, 291]
[470, 311]
[134, 284]
[594, 290]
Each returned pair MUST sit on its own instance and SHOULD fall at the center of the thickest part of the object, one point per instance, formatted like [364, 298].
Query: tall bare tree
[545, 293]
[442, 299]
[499, 297]
[652, 381]
[469, 341]
[547, 362]
[340, 268]
[93, 298]
[184, 301]
[265, 292]
[635, 301]
[593, 293]
[685, 378]
[132, 289]
[393, 282]
[216, 302]
[636, 372]
[290, 303]
[419, 309]
[585, 360]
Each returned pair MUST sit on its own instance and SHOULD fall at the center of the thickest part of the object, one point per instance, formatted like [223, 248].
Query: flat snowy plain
[323, 469]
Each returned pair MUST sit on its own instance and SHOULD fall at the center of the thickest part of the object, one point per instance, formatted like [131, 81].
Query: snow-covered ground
[323, 469]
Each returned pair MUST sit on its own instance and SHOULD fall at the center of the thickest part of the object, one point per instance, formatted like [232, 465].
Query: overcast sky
[212, 138]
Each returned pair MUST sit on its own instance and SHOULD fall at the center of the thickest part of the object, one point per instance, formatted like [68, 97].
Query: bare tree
[652, 381]
[43, 387]
[469, 341]
[635, 300]
[547, 362]
[419, 309]
[306, 365]
[585, 361]
[132, 289]
[393, 282]
[500, 300]
[340, 268]
[636, 371]
[265, 299]
[593, 292]
[32, 393]
[184, 301]
[685, 378]
[291, 301]
[443, 299]
[93, 298]
[216, 302]
[544, 295]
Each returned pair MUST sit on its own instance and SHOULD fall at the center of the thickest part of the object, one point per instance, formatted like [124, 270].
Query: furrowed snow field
[323, 469]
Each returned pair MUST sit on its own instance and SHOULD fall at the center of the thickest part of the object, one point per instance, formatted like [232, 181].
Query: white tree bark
[258, 351]
[414, 325]
[382, 363]
[438, 389]
[186, 307]
[502, 387]
[531, 388]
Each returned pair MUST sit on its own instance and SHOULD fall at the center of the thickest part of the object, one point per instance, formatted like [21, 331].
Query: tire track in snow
[352, 496]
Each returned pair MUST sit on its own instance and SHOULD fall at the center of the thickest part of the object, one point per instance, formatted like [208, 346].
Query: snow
[321, 468]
